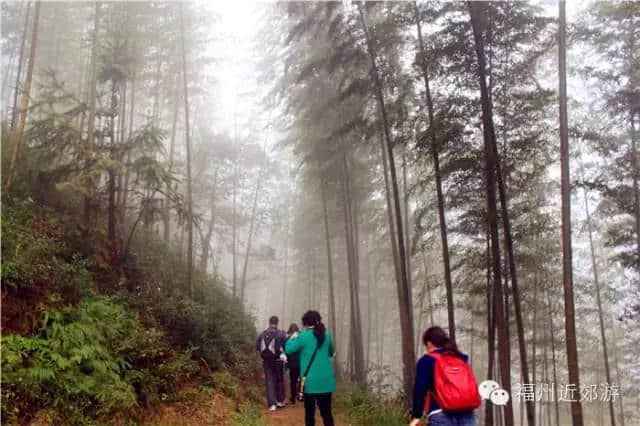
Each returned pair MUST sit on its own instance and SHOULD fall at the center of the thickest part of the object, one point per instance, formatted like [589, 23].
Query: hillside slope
[88, 342]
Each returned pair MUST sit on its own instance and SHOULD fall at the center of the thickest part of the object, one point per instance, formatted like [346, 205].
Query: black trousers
[294, 374]
[324, 404]
[274, 381]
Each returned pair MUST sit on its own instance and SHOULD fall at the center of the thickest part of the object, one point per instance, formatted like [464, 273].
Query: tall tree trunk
[404, 302]
[436, 169]
[510, 254]
[206, 241]
[407, 240]
[172, 150]
[286, 264]
[553, 358]
[6, 77]
[125, 190]
[26, 97]
[635, 167]
[617, 368]
[512, 273]
[111, 184]
[596, 281]
[188, 159]
[567, 272]
[534, 326]
[91, 122]
[371, 281]
[544, 405]
[16, 90]
[121, 132]
[635, 178]
[488, 416]
[234, 220]
[352, 261]
[478, 21]
[253, 218]
[327, 238]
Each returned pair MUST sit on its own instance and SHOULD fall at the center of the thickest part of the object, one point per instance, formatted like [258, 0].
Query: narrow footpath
[293, 415]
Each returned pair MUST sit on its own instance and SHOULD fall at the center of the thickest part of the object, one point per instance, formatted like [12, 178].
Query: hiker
[315, 347]
[270, 344]
[293, 364]
[449, 398]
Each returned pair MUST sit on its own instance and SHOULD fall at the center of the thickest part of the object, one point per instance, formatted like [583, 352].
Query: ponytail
[313, 319]
[440, 339]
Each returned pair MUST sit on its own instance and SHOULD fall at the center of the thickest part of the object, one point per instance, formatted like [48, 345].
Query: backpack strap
[435, 355]
[313, 357]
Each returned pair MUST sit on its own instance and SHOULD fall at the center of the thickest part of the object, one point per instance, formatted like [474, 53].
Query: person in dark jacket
[435, 340]
[293, 364]
[270, 344]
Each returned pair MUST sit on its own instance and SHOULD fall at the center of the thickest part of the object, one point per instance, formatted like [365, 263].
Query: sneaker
[272, 408]
[280, 404]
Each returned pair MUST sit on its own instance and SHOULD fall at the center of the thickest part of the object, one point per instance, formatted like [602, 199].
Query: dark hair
[439, 338]
[313, 319]
[293, 328]
[273, 320]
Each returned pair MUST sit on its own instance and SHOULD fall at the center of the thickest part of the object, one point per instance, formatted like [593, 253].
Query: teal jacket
[320, 378]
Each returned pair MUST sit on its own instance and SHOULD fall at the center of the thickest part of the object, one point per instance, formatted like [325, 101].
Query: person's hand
[414, 422]
[294, 335]
[283, 357]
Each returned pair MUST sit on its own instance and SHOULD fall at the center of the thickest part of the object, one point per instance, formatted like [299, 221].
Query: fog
[343, 157]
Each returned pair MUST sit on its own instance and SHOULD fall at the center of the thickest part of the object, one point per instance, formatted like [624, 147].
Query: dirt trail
[293, 415]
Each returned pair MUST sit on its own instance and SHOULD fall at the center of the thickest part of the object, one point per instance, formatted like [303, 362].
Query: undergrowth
[85, 342]
[361, 407]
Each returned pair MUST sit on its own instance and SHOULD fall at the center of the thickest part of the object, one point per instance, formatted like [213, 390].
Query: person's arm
[423, 382]
[293, 345]
[258, 341]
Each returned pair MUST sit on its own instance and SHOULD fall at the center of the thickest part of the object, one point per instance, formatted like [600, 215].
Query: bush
[88, 361]
[213, 321]
[73, 357]
[75, 363]
[363, 408]
[38, 270]
[249, 416]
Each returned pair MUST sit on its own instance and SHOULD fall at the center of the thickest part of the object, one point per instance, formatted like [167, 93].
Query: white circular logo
[487, 387]
[499, 397]
[491, 390]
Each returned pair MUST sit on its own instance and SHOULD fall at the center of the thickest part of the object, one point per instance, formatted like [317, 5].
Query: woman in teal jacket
[320, 381]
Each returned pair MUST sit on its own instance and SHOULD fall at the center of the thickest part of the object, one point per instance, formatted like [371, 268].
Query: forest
[174, 173]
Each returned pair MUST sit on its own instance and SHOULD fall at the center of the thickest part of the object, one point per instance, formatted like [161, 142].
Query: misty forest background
[174, 173]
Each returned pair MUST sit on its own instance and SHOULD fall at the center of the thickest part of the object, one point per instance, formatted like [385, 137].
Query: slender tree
[254, 211]
[16, 90]
[189, 223]
[327, 238]
[567, 267]
[26, 97]
[478, 21]
[91, 121]
[596, 282]
[404, 302]
[436, 170]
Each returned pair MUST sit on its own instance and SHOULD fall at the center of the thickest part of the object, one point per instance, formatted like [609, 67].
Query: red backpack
[455, 385]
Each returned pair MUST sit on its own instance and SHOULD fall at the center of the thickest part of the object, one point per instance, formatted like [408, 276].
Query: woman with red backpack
[445, 387]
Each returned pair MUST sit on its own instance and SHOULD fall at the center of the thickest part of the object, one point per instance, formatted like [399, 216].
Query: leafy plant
[75, 363]
[363, 408]
[249, 416]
